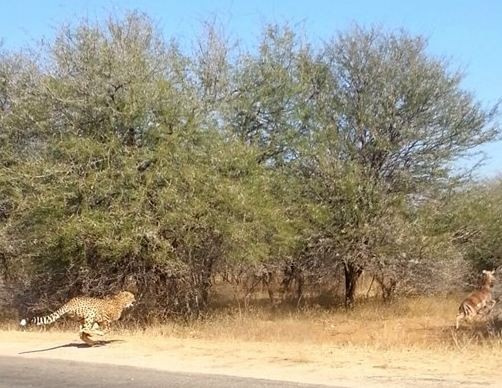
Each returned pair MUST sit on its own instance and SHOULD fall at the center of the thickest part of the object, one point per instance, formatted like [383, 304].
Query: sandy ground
[349, 366]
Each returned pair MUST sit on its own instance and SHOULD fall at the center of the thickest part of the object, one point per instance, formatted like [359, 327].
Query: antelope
[479, 301]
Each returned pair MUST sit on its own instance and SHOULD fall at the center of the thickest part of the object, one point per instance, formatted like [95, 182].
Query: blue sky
[467, 32]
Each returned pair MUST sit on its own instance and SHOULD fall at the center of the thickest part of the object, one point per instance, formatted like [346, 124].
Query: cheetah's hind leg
[97, 330]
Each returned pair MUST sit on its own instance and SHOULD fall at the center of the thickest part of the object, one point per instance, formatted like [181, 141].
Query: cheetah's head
[126, 298]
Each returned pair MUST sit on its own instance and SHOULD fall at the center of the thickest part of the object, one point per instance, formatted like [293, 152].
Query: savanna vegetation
[130, 161]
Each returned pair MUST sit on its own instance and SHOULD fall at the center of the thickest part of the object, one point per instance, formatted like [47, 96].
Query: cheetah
[92, 313]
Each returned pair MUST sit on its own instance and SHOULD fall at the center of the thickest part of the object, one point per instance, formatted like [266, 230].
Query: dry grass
[422, 323]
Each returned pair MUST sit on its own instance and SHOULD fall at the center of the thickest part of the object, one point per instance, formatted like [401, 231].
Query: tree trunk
[352, 273]
[205, 279]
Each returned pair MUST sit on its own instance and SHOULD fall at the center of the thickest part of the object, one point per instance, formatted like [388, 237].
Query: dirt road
[294, 362]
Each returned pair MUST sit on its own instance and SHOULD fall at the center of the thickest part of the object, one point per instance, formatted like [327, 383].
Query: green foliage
[473, 216]
[127, 163]
[123, 173]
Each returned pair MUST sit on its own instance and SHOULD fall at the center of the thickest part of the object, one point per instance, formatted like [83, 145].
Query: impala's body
[479, 301]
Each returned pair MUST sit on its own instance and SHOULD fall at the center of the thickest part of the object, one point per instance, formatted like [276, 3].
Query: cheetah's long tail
[48, 319]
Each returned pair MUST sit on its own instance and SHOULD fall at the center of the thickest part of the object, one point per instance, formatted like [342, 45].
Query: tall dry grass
[421, 323]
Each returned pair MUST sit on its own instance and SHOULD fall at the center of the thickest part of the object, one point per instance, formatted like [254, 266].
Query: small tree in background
[473, 216]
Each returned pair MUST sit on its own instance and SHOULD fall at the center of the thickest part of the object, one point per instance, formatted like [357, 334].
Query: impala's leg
[491, 327]
[460, 316]
[487, 309]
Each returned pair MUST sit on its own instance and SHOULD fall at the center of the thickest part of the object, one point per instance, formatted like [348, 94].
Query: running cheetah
[90, 312]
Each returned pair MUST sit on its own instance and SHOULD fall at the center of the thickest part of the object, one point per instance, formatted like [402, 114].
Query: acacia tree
[392, 120]
[362, 127]
[122, 181]
[270, 95]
